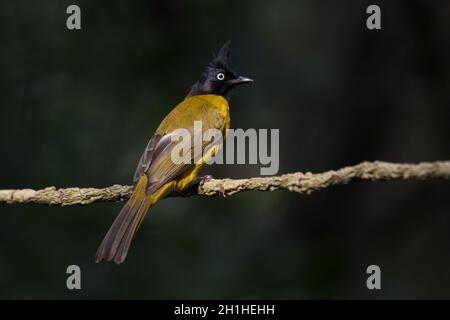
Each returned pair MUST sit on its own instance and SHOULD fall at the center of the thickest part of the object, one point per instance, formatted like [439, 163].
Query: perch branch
[296, 182]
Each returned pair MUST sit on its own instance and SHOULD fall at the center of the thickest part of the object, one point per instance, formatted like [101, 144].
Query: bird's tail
[117, 241]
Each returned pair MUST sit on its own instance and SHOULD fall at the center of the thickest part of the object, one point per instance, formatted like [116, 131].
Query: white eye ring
[220, 76]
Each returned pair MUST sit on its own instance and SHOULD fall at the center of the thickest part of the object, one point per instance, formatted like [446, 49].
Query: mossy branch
[295, 182]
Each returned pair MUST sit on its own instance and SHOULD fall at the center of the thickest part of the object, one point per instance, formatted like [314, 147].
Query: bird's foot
[201, 180]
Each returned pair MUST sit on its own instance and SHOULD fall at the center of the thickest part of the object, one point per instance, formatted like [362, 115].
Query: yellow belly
[186, 179]
[193, 109]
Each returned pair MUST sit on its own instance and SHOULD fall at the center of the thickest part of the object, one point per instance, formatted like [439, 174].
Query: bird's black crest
[221, 60]
[217, 78]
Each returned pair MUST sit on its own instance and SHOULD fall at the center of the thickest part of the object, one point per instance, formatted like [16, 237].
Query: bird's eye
[220, 76]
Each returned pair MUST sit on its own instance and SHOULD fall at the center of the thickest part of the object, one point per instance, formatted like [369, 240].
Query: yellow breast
[203, 104]
[217, 102]
[211, 109]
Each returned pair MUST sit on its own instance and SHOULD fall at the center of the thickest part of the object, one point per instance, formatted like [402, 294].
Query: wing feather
[156, 160]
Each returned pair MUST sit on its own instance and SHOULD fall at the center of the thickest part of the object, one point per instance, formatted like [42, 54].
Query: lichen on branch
[295, 182]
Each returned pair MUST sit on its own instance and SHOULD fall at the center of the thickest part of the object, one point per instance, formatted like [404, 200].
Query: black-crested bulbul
[157, 174]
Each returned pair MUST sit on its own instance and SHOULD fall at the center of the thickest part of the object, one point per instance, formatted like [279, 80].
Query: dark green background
[78, 107]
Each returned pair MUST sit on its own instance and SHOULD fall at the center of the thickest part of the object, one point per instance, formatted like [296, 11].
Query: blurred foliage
[77, 109]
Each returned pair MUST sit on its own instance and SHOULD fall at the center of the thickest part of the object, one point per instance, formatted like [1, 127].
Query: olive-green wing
[155, 145]
[156, 161]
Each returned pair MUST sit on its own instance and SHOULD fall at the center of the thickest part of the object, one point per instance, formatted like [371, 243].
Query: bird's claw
[201, 180]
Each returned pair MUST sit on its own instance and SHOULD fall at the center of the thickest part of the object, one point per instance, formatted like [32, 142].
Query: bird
[157, 174]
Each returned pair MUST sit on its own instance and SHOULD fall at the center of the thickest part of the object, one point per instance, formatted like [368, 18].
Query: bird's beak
[238, 80]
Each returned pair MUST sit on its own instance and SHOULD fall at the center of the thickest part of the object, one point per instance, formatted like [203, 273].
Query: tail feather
[117, 241]
[122, 249]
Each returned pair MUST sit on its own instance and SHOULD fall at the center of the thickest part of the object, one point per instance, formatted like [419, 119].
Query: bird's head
[218, 78]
